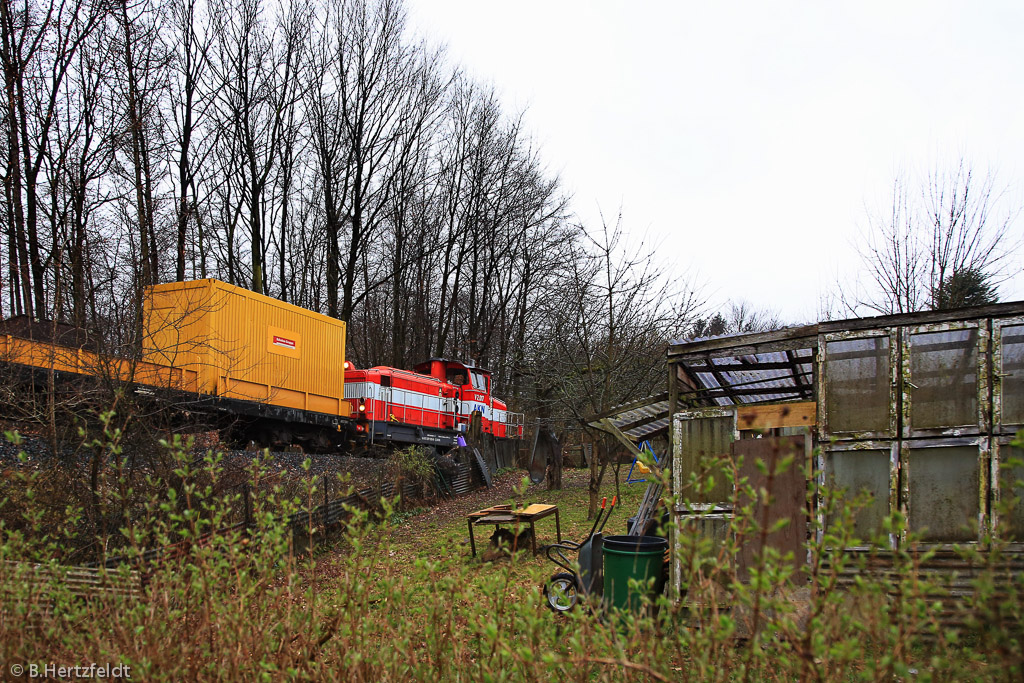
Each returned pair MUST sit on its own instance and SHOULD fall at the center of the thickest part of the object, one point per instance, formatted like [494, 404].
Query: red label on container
[282, 341]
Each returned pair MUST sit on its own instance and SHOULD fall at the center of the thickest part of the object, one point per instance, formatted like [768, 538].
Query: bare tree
[260, 77]
[967, 230]
[894, 257]
[737, 317]
[143, 82]
[367, 81]
[191, 99]
[39, 44]
[742, 316]
[410, 176]
[79, 159]
[614, 320]
[957, 222]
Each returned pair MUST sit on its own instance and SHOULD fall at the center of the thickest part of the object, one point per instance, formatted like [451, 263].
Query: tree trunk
[598, 464]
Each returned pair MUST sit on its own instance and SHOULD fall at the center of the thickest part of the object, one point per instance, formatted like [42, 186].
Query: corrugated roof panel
[742, 381]
[649, 429]
[641, 419]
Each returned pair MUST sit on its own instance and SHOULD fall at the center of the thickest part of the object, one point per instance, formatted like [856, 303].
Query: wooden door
[760, 470]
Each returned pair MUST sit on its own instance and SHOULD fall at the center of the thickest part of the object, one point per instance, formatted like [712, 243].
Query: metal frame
[995, 462]
[997, 375]
[983, 464]
[892, 333]
[679, 510]
[980, 426]
[891, 445]
[725, 411]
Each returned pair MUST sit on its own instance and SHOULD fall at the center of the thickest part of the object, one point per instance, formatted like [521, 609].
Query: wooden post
[247, 505]
[672, 407]
[673, 531]
[554, 470]
[533, 449]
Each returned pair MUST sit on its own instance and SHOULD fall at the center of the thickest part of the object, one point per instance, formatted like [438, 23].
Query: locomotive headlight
[362, 406]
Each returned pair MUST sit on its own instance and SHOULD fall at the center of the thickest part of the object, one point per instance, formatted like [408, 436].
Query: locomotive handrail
[393, 408]
[515, 421]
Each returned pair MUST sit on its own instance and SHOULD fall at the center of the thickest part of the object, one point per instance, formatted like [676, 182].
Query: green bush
[413, 462]
[243, 605]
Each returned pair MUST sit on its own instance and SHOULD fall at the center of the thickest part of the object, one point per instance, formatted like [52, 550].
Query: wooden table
[504, 514]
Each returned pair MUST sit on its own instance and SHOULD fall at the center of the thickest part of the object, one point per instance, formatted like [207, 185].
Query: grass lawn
[439, 535]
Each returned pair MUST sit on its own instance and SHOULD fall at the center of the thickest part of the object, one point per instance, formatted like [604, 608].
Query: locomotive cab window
[457, 376]
[479, 380]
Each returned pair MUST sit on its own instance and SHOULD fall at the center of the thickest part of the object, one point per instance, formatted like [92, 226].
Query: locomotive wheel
[561, 592]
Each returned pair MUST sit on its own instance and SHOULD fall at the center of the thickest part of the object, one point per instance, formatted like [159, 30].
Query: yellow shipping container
[247, 346]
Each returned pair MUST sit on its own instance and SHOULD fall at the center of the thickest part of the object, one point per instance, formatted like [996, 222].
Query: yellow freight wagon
[246, 346]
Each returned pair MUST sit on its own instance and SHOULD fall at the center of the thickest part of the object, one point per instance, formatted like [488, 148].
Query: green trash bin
[632, 557]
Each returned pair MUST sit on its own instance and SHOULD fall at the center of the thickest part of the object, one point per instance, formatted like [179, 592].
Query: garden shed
[917, 409]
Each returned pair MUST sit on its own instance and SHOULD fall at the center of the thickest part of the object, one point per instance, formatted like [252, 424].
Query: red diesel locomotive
[432, 405]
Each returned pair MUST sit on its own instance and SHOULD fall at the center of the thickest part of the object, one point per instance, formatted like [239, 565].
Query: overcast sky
[749, 140]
